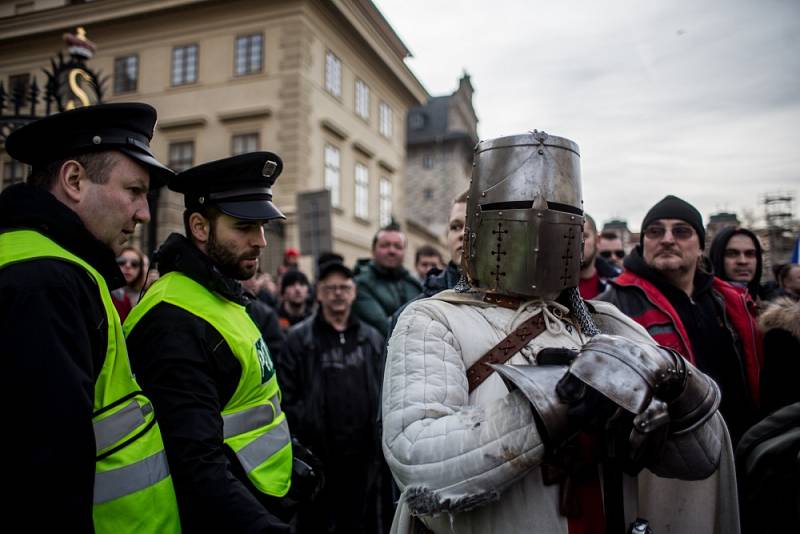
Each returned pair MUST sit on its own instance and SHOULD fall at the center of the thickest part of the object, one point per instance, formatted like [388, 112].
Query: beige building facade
[322, 84]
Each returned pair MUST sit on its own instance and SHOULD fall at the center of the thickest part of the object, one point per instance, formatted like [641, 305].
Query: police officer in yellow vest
[88, 454]
[202, 360]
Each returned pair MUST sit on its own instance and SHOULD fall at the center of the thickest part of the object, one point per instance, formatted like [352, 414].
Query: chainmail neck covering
[576, 305]
[580, 312]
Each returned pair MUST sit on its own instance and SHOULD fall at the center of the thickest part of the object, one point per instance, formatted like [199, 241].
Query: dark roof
[429, 122]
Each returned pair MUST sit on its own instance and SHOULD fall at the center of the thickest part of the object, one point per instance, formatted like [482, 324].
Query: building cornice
[67, 16]
[372, 27]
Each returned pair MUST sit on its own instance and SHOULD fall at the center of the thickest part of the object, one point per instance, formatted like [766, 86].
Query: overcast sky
[695, 98]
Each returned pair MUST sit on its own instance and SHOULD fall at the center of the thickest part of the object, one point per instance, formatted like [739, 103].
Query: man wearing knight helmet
[511, 405]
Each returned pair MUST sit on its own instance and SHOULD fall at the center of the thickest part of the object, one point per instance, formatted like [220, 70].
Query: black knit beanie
[672, 207]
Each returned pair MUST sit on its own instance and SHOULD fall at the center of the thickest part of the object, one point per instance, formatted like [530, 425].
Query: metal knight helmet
[524, 227]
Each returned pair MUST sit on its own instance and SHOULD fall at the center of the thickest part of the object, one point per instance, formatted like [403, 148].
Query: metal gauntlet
[654, 383]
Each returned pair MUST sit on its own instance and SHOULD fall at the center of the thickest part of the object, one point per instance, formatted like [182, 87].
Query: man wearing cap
[203, 361]
[88, 451]
[330, 377]
[707, 320]
[294, 304]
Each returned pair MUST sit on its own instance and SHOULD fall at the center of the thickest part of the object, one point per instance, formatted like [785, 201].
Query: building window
[416, 121]
[427, 161]
[126, 74]
[184, 64]
[385, 125]
[333, 74]
[13, 172]
[248, 54]
[19, 85]
[244, 143]
[427, 193]
[181, 155]
[362, 99]
[362, 191]
[385, 204]
[333, 172]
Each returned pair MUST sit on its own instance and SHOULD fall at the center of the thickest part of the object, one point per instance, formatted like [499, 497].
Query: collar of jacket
[24, 206]
[606, 269]
[441, 280]
[635, 263]
[390, 274]
[319, 321]
[179, 254]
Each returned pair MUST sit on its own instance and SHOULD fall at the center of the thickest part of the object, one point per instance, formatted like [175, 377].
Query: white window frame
[361, 182]
[126, 74]
[247, 141]
[184, 64]
[181, 155]
[385, 121]
[333, 174]
[248, 54]
[385, 203]
[333, 74]
[362, 99]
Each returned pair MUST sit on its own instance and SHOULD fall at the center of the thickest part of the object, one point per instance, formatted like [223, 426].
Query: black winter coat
[53, 333]
[300, 377]
[330, 382]
[190, 373]
[266, 319]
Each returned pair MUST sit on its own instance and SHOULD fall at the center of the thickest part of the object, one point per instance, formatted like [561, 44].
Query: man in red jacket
[709, 321]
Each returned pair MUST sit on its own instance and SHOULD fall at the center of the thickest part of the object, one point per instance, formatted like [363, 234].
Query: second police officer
[202, 360]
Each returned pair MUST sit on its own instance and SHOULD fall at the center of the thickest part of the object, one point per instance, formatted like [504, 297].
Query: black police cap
[127, 127]
[239, 186]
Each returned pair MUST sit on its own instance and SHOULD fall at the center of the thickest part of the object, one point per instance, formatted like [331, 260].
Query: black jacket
[301, 376]
[185, 367]
[780, 323]
[330, 382]
[267, 322]
[53, 330]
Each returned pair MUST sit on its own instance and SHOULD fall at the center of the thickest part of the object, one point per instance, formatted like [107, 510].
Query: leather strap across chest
[503, 351]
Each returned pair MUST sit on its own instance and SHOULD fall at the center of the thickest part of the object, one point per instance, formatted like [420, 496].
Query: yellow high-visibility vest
[254, 426]
[133, 490]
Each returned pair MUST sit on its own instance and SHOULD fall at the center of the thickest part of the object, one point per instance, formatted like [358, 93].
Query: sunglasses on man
[608, 253]
[681, 232]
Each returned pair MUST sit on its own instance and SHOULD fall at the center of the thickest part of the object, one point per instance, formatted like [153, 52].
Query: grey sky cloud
[698, 99]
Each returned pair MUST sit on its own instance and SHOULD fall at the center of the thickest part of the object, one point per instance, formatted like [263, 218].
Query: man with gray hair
[480, 446]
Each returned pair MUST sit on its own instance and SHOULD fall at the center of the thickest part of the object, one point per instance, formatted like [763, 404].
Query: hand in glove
[663, 392]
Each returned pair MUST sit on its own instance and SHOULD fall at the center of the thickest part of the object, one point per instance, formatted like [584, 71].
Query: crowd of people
[544, 377]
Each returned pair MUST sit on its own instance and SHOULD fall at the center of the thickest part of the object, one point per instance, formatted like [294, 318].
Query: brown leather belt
[503, 351]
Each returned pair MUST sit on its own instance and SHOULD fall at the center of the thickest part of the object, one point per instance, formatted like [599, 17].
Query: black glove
[308, 477]
[589, 410]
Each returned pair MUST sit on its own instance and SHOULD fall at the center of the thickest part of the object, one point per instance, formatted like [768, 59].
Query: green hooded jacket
[381, 292]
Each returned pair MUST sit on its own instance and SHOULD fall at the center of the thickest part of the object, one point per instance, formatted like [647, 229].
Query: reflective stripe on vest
[253, 454]
[118, 425]
[133, 491]
[254, 427]
[247, 420]
[117, 483]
